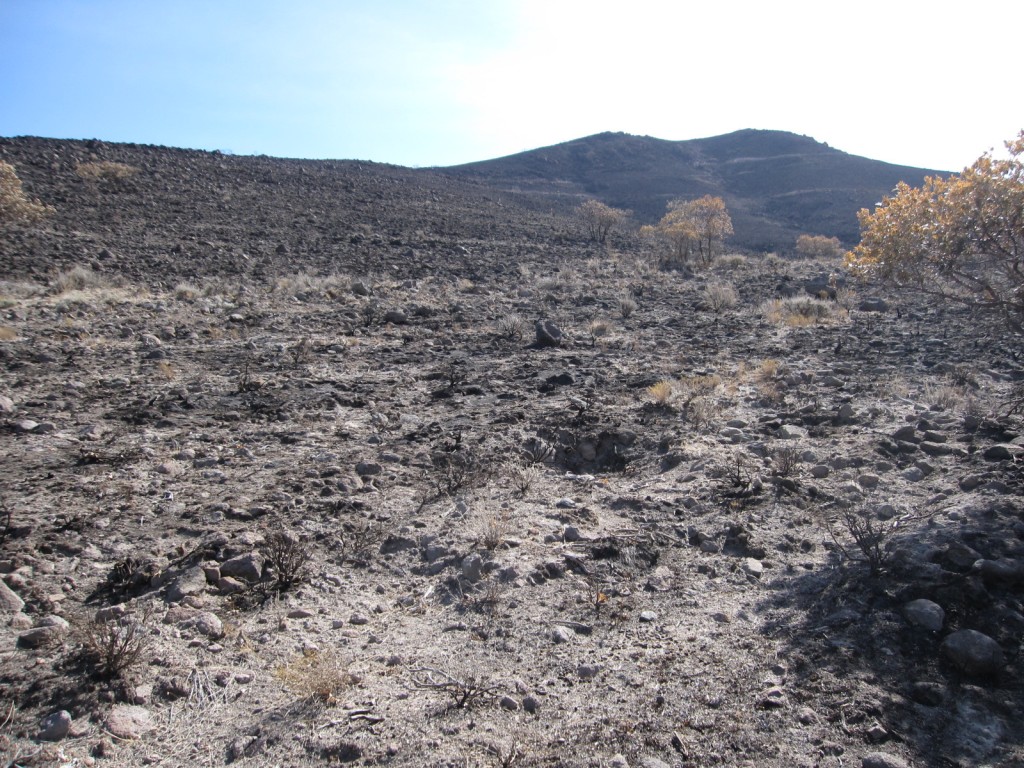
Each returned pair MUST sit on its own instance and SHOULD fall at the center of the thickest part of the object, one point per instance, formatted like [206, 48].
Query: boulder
[925, 614]
[974, 653]
[548, 334]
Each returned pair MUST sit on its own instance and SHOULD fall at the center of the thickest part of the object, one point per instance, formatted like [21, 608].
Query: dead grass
[801, 311]
[661, 393]
[719, 296]
[315, 675]
[79, 278]
[105, 170]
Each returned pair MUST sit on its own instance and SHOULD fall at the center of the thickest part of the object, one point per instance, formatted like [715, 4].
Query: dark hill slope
[187, 213]
[777, 185]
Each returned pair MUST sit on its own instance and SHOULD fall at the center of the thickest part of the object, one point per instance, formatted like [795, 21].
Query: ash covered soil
[291, 478]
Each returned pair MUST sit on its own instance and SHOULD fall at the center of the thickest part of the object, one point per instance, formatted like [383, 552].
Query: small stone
[773, 698]
[806, 716]
[229, 586]
[508, 703]
[970, 482]
[846, 414]
[820, 471]
[299, 613]
[37, 637]
[472, 567]
[571, 533]
[936, 449]
[753, 567]
[358, 619]
[208, 624]
[191, 582]
[129, 721]
[530, 704]
[868, 481]
[560, 635]
[247, 567]
[588, 671]
[9, 600]
[882, 760]
[925, 614]
[1002, 452]
[55, 727]
[927, 693]
[973, 652]
[877, 734]
[791, 432]
[648, 616]
[142, 694]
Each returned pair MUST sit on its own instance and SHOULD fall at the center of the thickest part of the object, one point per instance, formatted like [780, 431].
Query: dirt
[288, 434]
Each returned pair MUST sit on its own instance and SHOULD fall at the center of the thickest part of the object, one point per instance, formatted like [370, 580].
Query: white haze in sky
[440, 82]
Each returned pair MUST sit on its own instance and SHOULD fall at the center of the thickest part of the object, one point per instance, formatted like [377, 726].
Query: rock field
[315, 463]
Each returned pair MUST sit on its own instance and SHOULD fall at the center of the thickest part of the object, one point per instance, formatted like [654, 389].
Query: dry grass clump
[767, 376]
[627, 306]
[597, 329]
[315, 675]
[105, 170]
[493, 529]
[296, 285]
[187, 292]
[700, 402]
[79, 278]
[15, 206]
[719, 296]
[800, 311]
[13, 291]
[523, 477]
[730, 262]
[944, 396]
[661, 393]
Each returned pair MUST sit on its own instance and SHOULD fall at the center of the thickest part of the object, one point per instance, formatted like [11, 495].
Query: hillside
[777, 185]
[186, 213]
[313, 463]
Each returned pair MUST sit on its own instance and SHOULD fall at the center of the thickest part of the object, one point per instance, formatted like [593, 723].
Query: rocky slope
[312, 488]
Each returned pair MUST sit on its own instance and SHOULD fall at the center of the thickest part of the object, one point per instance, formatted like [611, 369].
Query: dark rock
[925, 614]
[1003, 452]
[548, 334]
[873, 304]
[974, 653]
[55, 727]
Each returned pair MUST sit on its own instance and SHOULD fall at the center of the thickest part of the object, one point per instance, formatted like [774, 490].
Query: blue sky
[441, 82]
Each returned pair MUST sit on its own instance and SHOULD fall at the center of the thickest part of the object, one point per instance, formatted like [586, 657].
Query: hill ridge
[777, 184]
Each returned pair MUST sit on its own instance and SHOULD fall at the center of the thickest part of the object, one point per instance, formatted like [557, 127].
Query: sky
[441, 82]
